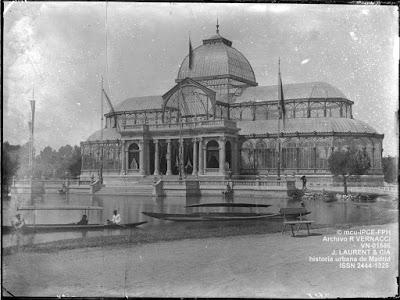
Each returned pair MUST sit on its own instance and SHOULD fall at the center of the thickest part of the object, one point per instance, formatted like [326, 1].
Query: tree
[9, 165]
[349, 162]
[390, 167]
[58, 164]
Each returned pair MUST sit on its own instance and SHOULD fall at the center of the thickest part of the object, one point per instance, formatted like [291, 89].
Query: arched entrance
[212, 155]
[133, 157]
[228, 155]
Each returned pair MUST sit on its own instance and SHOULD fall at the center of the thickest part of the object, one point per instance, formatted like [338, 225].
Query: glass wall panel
[301, 110]
[272, 112]
[289, 155]
[261, 112]
[247, 155]
[316, 110]
[333, 110]
[261, 155]
[247, 113]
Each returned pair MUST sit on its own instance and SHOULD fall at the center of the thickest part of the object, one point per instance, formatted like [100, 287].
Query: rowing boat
[210, 216]
[68, 227]
[224, 204]
[44, 207]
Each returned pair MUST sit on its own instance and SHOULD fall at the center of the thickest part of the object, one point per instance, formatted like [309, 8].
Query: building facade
[227, 124]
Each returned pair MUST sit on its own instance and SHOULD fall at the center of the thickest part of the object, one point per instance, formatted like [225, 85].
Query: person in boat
[18, 221]
[302, 204]
[116, 218]
[83, 221]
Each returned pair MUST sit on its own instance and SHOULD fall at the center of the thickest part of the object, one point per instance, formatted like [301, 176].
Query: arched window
[323, 152]
[235, 113]
[333, 110]
[370, 151]
[301, 110]
[261, 113]
[192, 100]
[133, 157]
[316, 110]
[272, 112]
[247, 113]
[247, 155]
[290, 114]
[271, 155]
[261, 155]
[228, 155]
[306, 155]
[289, 155]
[377, 155]
[212, 154]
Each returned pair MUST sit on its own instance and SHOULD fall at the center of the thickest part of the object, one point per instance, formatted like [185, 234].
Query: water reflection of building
[228, 124]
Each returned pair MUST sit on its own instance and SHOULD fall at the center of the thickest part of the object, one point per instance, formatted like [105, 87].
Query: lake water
[383, 210]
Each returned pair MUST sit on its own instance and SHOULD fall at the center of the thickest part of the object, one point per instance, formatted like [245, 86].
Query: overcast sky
[60, 49]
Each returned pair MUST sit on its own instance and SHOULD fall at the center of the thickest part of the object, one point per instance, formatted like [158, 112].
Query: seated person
[83, 221]
[116, 218]
[18, 221]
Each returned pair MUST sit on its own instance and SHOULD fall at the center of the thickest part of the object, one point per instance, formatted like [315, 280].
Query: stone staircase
[127, 185]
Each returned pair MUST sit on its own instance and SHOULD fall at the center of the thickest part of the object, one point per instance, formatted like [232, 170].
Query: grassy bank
[172, 232]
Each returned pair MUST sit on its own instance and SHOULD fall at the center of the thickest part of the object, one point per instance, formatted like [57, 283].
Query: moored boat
[224, 204]
[209, 216]
[67, 227]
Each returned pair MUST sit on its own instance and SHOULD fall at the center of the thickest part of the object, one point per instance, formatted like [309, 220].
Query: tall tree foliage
[390, 169]
[48, 164]
[9, 165]
[58, 164]
[349, 162]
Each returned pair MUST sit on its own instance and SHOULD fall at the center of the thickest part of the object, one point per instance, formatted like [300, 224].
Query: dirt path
[269, 265]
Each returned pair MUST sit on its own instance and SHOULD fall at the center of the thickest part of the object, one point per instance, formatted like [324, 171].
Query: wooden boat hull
[199, 217]
[290, 216]
[68, 227]
[247, 205]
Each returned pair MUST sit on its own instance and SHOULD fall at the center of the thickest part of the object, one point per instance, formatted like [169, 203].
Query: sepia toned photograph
[235, 150]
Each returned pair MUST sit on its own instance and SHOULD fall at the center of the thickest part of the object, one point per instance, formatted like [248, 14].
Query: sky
[57, 53]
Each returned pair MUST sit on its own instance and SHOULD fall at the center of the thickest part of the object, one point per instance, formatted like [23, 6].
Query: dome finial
[217, 26]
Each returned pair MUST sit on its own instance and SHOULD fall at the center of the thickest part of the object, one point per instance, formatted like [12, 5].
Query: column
[141, 158]
[169, 172]
[194, 157]
[156, 159]
[123, 155]
[201, 157]
[222, 155]
[126, 162]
